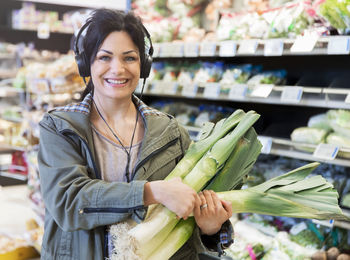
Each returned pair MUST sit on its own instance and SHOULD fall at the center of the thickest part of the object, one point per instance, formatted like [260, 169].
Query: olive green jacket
[79, 205]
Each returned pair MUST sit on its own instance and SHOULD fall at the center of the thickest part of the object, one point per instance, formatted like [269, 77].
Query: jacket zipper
[98, 175]
[138, 166]
[110, 210]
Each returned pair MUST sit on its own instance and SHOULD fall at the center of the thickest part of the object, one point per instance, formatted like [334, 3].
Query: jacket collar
[84, 107]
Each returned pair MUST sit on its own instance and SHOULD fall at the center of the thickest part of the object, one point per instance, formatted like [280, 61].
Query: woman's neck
[115, 111]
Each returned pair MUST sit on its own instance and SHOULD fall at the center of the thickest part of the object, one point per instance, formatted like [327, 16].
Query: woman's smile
[116, 82]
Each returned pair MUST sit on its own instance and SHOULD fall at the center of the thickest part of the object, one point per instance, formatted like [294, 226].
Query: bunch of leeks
[219, 161]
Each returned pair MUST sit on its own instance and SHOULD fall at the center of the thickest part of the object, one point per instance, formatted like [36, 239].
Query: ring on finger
[203, 206]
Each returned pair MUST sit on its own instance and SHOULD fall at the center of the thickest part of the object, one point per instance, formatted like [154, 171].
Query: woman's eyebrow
[109, 52]
[127, 52]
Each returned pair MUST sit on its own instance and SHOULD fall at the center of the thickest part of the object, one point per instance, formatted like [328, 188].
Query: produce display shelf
[5, 148]
[286, 148]
[4, 73]
[16, 176]
[7, 56]
[327, 45]
[6, 91]
[343, 224]
[331, 98]
[119, 5]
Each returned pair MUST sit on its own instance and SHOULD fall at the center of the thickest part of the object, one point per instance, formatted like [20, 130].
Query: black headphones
[84, 63]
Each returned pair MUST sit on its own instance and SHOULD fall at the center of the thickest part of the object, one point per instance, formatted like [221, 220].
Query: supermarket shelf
[286, 148]
[5, 148]
[10, 91]
[7, 73]
[331, 45]
[311, 96]
[120, 5]
[7, 56]
[16, 176]
[36, 31]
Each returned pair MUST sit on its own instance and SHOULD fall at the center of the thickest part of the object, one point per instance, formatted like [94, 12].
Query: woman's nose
[117, 66]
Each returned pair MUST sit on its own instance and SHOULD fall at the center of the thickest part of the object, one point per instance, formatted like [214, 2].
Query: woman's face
[115, 71]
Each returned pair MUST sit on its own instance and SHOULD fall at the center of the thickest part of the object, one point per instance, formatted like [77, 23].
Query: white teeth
[112, 81]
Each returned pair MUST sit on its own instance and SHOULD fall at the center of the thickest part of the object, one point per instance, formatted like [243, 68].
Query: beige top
[112, 158]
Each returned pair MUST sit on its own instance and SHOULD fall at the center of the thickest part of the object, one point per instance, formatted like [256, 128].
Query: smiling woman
[104, 160]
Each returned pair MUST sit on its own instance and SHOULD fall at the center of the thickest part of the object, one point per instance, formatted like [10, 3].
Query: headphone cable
[127, 171]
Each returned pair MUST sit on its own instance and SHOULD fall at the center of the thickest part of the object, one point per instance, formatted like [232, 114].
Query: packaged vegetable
[319, 121]
[308, 135]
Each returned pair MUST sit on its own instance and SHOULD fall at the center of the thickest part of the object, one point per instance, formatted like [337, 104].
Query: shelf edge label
[266, 143]
[291, 94]
[238, 91]
[227, 49]
[212, 90]
[248, 47]
[338, 45]
[273, 47]
[326, 152]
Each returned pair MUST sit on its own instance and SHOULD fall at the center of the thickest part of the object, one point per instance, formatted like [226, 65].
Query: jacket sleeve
[71, 197]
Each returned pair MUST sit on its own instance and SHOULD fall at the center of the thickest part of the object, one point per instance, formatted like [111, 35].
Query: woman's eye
[104, 58]
[130, 58]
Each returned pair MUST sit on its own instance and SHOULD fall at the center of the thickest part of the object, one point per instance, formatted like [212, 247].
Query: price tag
[326, 151]
[212, 90]
[347, 99]
[228, 48]
[273, 47]
[248, 47]
[291, 94]
[165, 49]
[177, 49]
[266, 143]
[170, 87]
[304, 43]
[261, 90]
[208, 49]
[189, 90]
[329, 223]
[338, 45]
[191, 49]
[157, 87]
[156, 49]
[43, 31]
[238, 91]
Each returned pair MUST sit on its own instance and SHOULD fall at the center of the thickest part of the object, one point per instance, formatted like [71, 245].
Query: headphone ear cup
[146, 67]
[83, 64]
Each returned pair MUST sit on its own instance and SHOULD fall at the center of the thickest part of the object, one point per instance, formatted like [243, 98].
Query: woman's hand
[211, 217]
[173, 194]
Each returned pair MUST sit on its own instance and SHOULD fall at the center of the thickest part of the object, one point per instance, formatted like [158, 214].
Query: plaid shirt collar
[84, 107]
